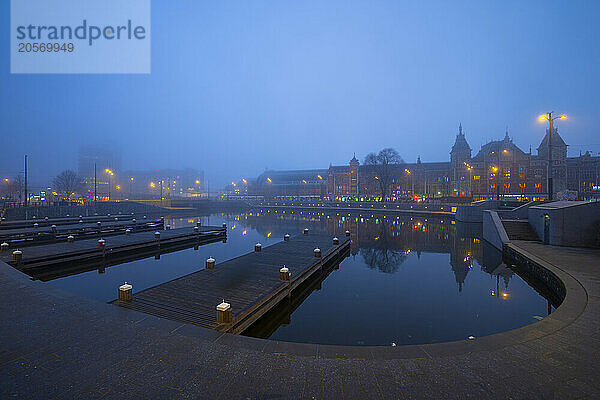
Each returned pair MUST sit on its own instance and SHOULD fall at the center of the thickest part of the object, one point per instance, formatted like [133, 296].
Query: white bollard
[53, 227]
[347, 233]
[17, 256]
[36, 225]
[196, 229]
[157, 235]
[168, 227]
[317, 252]
[210, 263]
[101, 243]
[286, 238]
[4, 246]
[127, 231]
[257, 248]
[70, 238]
[126, 292]
[336, 240]
[305, 231]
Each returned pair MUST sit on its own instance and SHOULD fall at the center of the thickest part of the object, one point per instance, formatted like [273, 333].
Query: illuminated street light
[548, 117]
[110, 173]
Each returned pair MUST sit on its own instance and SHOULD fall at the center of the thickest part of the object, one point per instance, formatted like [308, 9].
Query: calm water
[406, 281]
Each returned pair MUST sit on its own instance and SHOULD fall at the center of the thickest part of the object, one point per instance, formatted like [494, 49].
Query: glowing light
[269, 234]
[543, 117]
[504, 295]
[319, 176]
[269, 180]
[152, 184]
[563, 117]
[243, 232]
[245, 181]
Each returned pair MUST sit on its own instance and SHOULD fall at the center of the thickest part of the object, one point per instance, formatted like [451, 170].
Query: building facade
[500, 169]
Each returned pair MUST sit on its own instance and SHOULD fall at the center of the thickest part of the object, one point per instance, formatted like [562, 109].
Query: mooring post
[126, 292]
[196, 230]
[102, 244]
[284, 274]
[224, 313]
[257, 248]
[286, 238]
[70, 238]
[127, 231]
[347, 233]
[168, 227]
[17, 256]
[210, 263]
[53, 228]
[4, 246]
[336, 240]
[305, 231]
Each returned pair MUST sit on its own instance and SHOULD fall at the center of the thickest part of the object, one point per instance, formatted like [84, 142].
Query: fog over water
[239, 86]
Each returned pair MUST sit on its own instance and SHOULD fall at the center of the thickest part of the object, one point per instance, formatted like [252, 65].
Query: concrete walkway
[57, 345]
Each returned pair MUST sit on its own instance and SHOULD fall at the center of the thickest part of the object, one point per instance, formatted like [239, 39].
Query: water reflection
[422, 304]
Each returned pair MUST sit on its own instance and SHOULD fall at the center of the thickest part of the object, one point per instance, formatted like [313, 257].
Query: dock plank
[250, 283]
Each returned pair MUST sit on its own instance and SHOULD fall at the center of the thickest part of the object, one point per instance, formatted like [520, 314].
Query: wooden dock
[250, 283]
[33, 236]
[116, 247]
[29, 223]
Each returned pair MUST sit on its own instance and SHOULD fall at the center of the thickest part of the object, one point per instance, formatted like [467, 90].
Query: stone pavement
[57, 345]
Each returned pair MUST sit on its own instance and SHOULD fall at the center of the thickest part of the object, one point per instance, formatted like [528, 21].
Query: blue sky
[239, 86]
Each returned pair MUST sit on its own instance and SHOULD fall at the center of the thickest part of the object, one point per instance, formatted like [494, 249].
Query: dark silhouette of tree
[380, 254]
[67, 183]
[385, 166]
[16, 187]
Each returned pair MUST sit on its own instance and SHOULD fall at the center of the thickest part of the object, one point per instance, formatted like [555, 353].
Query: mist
[239, 87]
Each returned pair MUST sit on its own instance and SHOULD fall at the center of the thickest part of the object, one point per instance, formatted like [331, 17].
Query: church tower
[460, 153]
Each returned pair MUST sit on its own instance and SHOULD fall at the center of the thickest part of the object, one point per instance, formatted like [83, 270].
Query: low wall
[537, 276]
[569, 223]
[493, 230]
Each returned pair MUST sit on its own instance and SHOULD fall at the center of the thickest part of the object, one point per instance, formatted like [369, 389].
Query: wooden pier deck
[29, 223]
[56, 254]
[19, 237]
[250, 283]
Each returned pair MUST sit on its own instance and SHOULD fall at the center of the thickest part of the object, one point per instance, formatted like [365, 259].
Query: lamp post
[470, 169]
[109, 173]
[548, 117]
[131, 187]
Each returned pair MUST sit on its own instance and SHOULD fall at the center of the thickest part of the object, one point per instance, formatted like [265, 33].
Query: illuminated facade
[499, 169]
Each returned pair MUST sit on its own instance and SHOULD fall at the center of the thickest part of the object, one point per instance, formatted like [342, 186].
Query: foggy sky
[239, 86]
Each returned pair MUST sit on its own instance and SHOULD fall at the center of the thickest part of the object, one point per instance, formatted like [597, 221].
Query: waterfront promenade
[59, 345]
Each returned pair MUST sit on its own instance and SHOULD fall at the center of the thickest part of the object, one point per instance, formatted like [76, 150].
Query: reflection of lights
[504, 295]
[269, 234]
[233, 227]
[269, 180]
[493, 293]
[244, 232]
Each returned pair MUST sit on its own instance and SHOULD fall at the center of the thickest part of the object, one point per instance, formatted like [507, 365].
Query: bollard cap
[317, 250]
[101, 241]
[210, 259]
[336, 238]
[46, 218]
[284, 269]
[116, 219]
[70, 237]
[196, 228]
[81, 221]
[81, 216]
[17, 252]
[53, 227]
[258, 244]
[125, 286]
[4, 244]
[108, 215]
[36, 225]
[286, 235]
[127, 230]
[133, 220]
[223, 306]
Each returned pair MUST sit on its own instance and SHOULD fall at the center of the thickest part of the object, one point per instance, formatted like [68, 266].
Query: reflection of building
[499, 167]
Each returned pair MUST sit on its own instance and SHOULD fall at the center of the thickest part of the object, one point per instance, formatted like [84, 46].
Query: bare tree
[67, 183]
[384, 164]
[16, 187]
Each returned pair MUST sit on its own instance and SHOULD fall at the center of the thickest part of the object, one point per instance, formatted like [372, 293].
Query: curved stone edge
[572, 306]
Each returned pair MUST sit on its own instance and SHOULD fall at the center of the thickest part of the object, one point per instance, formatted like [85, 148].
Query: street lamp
[495, 170]
[470, 169]
[109, 173]
[548, 117]
[131, 187]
